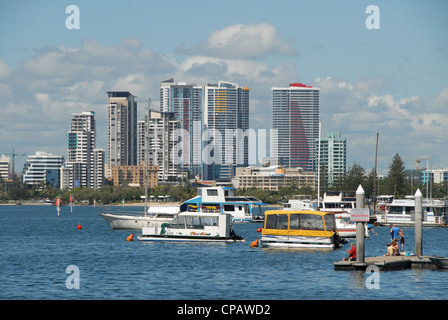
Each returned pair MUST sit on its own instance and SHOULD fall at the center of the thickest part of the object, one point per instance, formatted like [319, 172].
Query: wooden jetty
[385, 263]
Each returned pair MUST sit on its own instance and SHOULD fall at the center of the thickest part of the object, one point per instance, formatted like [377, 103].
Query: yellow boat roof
[286, 212]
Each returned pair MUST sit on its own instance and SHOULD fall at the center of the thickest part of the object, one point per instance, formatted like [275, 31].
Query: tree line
[394, 183]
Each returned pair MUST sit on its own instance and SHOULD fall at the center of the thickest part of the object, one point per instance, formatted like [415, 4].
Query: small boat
[335, 201]
[223, 200]
[440, 262]
[345, 228]
[401, 213]
[193, 227]
[155, 215]
[302, 229]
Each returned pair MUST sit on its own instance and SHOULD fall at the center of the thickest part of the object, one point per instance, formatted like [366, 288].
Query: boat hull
[131, 222]
[295, 242]
[440, 262]
[187, 239]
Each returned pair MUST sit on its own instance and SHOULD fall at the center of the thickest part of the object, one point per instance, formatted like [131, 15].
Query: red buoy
[130, 238]
[79, 226]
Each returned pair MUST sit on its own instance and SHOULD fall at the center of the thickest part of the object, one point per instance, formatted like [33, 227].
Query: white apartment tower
[85, 163]
[160, 141]
[333, 155]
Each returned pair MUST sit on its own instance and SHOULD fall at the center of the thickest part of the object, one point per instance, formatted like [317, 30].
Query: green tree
[355, 176]
[395, 181]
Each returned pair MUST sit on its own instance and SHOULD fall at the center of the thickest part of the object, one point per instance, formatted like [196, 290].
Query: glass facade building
[295, 117]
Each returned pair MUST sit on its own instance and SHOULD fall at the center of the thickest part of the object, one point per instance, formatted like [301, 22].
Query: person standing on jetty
[394, 233]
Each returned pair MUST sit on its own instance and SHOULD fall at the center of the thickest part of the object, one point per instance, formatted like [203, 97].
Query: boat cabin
[299, 229]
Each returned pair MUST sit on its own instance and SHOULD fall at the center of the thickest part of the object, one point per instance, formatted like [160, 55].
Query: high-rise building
[43, 167]
[122, 129]
[333, 156]
[295, 116]
[85, 163]
[226, 120]
[159, 131]
[185, 101]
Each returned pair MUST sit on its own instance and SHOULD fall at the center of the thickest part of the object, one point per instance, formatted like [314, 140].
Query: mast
[146, 155]
[374, 175]
[318, 167]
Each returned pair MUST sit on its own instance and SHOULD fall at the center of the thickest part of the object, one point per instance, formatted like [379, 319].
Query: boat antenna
[374, 174]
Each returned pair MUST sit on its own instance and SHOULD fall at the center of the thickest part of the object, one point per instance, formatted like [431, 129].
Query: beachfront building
[122, 129]
[135, 175]
[295, 116]
[159, 130]
[43, 167]
[226, 121]
[85, 163]
[333, 157]
[185, 102]
[5, 167]
[274, 177]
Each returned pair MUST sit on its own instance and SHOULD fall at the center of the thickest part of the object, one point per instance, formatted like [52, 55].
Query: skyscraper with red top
[295, 116]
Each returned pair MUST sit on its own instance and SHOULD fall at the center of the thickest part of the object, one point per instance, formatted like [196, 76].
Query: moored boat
[223, 200]
[301, 229]
[440, 262]
[193, 227]
[155, 215]
[401, 213]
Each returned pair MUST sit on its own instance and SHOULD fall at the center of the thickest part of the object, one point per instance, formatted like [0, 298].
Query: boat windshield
[193, 222]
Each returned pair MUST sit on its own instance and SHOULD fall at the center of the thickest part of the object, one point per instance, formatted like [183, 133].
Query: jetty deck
[385, 263]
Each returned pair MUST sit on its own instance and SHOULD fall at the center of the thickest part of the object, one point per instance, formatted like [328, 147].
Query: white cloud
[410, 126]
[240, 41]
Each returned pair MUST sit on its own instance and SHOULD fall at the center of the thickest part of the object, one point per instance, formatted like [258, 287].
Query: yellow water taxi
[303, 229]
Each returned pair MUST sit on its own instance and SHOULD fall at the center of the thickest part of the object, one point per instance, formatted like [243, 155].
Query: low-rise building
[274, 177]
[135, 175]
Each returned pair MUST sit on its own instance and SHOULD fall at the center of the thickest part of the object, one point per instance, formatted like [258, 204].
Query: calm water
[36, 247]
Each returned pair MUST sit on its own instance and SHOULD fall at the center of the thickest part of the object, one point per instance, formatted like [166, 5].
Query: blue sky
[393, 80]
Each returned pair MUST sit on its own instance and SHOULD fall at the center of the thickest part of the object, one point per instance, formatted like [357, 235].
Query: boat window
[212, 192]
[228, 207]
[396, 210]
[178, 222]
[330, 222]
[282, 221]
[294, 221]
[306, 222]
[194, 223]
[277, 221]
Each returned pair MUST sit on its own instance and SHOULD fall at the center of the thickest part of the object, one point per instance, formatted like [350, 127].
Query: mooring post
[418, 223]
[360, 229]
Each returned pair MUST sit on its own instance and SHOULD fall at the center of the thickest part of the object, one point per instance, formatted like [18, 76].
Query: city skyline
[393, 80]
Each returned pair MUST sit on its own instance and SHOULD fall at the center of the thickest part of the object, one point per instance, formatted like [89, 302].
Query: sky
[392, 81]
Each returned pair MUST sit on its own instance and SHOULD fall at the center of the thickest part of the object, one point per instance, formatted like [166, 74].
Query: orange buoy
[130, 237]
[79, 226]
[254, 244]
